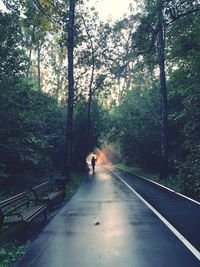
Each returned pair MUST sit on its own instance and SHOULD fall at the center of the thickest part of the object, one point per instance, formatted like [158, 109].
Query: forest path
[106, 225]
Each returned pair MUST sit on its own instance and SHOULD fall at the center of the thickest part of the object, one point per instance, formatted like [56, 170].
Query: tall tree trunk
[30, 53]
[69, 129]
[59, 79]
[164, 102]
[91, 91]
[38, 67]
[90, 102]
[29, 65]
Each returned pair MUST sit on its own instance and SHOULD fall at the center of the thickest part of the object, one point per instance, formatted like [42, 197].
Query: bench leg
[23, 231]
[45, 216]
[50, 205]
[1, 222]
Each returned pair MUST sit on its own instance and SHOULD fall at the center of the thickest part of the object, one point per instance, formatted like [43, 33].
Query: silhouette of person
[93, 163]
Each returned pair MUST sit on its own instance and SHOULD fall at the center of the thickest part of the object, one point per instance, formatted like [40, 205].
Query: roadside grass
[11, 252]
[73, 185]
[12, 246]
[2, 197]
[173, 181]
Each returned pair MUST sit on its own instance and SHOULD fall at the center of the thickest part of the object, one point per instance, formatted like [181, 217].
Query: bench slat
[36, 213]
[11, 213]
[54, 195]
[45, 193]
[42, 188]
[11, 204]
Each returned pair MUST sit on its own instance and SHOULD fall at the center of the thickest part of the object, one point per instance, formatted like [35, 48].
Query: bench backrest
[42, 188]
[11, 204]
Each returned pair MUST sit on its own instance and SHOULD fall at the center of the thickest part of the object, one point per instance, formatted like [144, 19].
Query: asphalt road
[183, 214]
[106, 225]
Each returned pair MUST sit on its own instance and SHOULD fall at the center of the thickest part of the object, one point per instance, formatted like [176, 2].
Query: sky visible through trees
[110, 9]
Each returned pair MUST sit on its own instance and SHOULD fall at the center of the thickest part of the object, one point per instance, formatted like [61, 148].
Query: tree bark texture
[59, 78]
[90, 102]
[38, 67]
[91, 91]
[164, 102]
[70, 101]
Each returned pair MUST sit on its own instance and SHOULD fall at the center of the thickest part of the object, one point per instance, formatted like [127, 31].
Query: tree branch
[38, 5]
[182, 15]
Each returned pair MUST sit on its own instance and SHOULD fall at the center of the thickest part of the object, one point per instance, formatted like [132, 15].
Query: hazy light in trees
[113, 9]
[2, 6]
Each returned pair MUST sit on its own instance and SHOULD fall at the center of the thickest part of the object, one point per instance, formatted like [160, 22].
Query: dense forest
[135, 88]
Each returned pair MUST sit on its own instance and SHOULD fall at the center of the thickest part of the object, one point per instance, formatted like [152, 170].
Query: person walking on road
[93, 163]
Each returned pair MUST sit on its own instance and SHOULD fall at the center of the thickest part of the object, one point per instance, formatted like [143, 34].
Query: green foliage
[12, 58]
[184, 101]
[136, 121]
[80, 131]
[173, 181]
[9, 256]
[189, 168]
[138, 126]
[28, 129]
[31, 122]
[76, 179]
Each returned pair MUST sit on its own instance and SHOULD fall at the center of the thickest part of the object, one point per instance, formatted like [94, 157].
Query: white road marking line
[165, 187]
[194, 251]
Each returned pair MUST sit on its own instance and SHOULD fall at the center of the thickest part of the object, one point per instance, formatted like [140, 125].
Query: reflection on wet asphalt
[106, 225]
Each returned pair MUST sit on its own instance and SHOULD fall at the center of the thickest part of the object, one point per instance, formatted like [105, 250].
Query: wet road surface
[106, 225]
[183, 214]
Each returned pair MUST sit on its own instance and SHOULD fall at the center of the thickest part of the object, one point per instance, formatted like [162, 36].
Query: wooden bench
[17, 209]
[45, 193]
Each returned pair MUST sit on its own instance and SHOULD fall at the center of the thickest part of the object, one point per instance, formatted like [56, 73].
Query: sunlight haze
[113, 9]
[2, 6]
